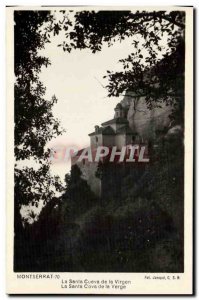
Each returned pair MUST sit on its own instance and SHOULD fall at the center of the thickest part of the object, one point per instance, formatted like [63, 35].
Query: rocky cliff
[144, 121]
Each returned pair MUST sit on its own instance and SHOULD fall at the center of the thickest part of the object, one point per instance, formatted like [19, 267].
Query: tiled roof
[117, 121]
[105, 131]
[110, 131]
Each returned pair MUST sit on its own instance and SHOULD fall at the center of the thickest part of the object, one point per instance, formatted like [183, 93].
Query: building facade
[115, 132]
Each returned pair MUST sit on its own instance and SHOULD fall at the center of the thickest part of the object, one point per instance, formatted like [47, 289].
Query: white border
[2, 18]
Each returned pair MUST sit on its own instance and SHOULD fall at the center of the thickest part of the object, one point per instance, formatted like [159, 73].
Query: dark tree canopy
[34, 121]
[78, 195]
[35, 124]
[154, 68]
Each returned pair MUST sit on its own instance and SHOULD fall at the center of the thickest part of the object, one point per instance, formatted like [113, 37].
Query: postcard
[100, 150]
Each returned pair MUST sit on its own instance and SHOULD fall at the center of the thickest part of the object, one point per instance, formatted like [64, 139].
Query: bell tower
[119, 111]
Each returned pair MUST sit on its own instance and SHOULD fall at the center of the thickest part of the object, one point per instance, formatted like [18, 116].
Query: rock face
[142, 120]
[146, 124]
[88, 170]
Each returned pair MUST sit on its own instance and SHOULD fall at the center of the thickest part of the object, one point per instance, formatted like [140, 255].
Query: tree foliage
[35, 124]
[78, 195]
[34, 121]
[154, 68]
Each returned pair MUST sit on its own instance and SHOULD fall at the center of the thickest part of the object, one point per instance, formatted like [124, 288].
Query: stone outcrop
[144, 121]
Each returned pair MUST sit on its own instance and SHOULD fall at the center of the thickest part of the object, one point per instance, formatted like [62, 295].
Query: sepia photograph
[99, 138]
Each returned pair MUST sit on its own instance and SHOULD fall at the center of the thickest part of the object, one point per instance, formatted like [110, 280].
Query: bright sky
[76, 79]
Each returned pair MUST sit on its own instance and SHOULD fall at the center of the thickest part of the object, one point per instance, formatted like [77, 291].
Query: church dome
[119, 111]
[119, 106]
